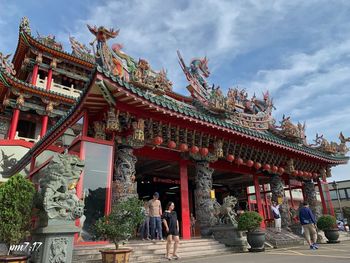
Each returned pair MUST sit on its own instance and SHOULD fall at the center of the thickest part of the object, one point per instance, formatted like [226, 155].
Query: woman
[172, 230]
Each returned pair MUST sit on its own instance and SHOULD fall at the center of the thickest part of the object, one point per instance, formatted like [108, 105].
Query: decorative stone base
[57, 242]
[231, 237]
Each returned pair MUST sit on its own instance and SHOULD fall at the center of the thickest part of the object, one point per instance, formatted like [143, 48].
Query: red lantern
[301, 173]
[257, 165]
[250, 163]
[239, 161]
[230, 158]
[204, 151]
[183, 147]
[194, 149]
[281, 170]
[274, 169]
[171, 144]
[158, 140]
[295, 173]
[267, 167]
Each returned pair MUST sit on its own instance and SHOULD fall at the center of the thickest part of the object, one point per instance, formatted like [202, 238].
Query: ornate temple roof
[151, 91]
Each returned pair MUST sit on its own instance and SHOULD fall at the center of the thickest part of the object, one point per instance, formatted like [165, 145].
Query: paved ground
[325, 254]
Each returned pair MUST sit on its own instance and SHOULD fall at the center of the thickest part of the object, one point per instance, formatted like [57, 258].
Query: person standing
[172, 230]
[155, 213]
[308, 222]
[145, 225]
[276, 215]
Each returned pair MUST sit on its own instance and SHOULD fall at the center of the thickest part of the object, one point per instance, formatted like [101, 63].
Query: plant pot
[116, 256]
[332, 235]
[256, 240]
[13, 259]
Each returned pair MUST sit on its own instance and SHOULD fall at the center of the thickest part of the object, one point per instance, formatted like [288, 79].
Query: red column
[46, 118]
[258, 198]
[329, 200]
[35, 74]
[86, 124]
[185, 207]
[324, 205]
[14, 123]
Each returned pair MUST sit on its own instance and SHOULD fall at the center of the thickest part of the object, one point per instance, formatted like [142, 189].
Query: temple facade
[137, 136]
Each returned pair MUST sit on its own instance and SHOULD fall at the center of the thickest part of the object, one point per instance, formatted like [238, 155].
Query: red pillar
[86, 124]
[14, 122]
[258, 198]
[46, 118]
[35, 74]
[324, 205]
[329, 200]
[185, 206]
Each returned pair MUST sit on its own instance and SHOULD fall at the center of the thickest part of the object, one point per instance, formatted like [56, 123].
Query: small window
[26, 129]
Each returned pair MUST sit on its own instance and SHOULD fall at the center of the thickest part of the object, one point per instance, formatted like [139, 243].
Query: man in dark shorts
[172, 230]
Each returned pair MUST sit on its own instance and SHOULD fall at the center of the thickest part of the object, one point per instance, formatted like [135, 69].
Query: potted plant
[16, 202]
[119, 226]
[328, 224]
[250, 222]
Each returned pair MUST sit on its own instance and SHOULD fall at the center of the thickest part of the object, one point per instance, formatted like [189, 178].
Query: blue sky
[299, 50]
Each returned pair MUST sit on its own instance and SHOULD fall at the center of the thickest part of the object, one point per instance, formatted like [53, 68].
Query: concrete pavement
[325, 254]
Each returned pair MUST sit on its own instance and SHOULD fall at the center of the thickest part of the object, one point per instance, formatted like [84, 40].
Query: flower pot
[256, 240]
[116, 256]
[13, 259]
[332, 235]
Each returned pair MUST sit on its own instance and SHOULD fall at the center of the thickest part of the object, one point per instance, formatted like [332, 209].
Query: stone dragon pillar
[277, 190]
[310, 197]
[204, 205]
[124, 183]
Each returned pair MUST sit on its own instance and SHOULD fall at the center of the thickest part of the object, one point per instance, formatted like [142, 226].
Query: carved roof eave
[244, 133]
[26, 87]
[26, 40]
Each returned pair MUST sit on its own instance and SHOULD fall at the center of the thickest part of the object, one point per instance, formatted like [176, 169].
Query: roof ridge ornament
[6, 64]
[24, 26]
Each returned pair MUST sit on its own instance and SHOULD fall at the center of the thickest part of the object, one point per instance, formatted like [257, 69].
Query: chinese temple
[137, 136]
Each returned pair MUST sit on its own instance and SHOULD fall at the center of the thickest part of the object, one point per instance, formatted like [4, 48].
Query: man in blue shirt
[308, 222]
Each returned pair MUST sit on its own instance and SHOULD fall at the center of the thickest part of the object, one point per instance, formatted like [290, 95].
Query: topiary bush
[16, 203]
[121, 223]
[249, 221]
[327, 222]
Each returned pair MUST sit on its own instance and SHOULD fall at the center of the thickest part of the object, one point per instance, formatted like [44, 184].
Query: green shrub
[249, 221]
[122, 222]
[16, 203]
[327, 222]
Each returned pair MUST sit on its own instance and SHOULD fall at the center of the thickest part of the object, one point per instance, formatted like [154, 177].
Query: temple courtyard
[325, 254]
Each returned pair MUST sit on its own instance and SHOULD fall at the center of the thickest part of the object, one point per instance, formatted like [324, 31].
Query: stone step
[146, 251]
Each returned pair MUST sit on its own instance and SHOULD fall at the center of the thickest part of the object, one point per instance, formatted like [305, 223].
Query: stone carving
[331, 147]
[24, 26]
[80, 50]
[6, 64]
[288, 130]
[204, 205]
[7, 162]
[57, 188]
[125, 185]
[225, 213]
[290, 166]
[99, 129]
[311, 198]
[277, 190]
[58, 250]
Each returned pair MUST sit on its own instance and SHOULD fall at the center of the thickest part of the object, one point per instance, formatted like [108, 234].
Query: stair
[283, 239]
[147, 251]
